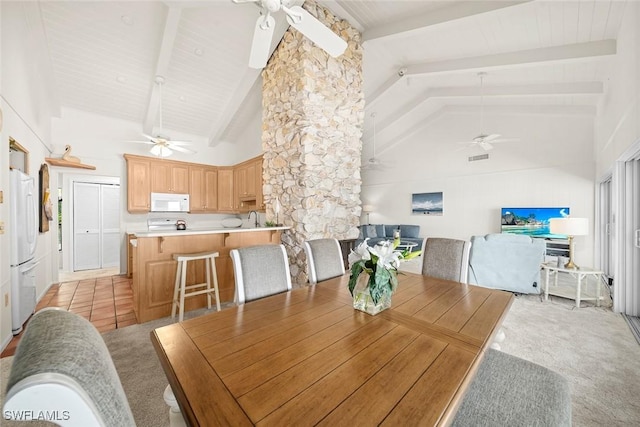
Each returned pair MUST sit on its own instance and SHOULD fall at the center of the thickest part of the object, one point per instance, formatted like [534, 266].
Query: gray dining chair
[260, 271]
[324, 259]
[446, 259]
[63, 367]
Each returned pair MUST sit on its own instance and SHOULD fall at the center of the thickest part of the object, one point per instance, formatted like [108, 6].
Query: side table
[572, 283]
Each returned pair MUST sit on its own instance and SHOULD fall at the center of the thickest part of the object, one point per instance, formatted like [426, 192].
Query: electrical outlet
[6, 300]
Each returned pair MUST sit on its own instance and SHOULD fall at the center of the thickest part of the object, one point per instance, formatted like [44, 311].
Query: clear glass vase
[362, 298]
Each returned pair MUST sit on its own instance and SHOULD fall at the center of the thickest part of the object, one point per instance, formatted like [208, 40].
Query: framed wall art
[427, 204]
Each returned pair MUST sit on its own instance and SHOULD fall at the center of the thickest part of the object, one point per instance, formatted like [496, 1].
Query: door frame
[625, 296]
[68, 180]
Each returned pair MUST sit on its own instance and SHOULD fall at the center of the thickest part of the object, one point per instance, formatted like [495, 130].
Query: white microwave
[169, 202]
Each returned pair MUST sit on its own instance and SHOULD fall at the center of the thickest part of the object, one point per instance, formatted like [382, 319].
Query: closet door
[110, 225]
[86, 226]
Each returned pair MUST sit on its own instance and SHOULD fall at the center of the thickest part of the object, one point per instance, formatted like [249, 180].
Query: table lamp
[570, 227]
[367, 209]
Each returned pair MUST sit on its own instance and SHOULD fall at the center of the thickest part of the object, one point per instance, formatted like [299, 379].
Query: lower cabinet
[155, 269]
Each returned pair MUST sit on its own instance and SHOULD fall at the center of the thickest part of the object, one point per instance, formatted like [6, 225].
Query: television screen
[532, 222]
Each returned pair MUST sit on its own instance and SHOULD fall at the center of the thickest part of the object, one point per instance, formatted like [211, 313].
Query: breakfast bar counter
[154, 269]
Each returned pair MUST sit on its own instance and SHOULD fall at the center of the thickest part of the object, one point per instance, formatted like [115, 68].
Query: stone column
[313, 113]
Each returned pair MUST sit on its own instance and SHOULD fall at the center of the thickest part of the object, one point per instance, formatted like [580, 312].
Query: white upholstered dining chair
[324, 259]
[260, 271]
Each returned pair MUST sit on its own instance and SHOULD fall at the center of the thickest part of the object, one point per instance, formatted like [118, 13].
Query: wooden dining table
[307, 357]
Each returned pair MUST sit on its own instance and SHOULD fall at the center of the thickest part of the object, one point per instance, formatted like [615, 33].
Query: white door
[110, 225]
[86, 226]
[96, 226]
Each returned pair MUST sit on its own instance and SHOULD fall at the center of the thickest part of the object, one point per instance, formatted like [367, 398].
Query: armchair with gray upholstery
[63, 367]
[446, 259]
[510, 262]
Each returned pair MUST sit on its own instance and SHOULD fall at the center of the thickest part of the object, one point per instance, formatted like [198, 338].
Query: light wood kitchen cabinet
[248, 185]
[155, 269]
[203, 185]
[211, 189]
[225, 190]
[138, 184]
[169, 177]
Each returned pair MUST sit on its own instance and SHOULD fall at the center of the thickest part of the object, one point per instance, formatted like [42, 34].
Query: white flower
[360, 253]
[388, 257]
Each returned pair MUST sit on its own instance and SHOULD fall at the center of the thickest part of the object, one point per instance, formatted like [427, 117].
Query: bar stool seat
[181, 288]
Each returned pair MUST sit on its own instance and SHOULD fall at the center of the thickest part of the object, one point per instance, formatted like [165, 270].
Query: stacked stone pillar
[313, 113]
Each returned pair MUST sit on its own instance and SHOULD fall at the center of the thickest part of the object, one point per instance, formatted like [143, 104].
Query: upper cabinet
[211, 189]
[247, 181]
[138, 184]
[203, 184]
[169, 177]
[225, 190]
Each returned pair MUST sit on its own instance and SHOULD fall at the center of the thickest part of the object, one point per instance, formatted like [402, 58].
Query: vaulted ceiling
[421, 59]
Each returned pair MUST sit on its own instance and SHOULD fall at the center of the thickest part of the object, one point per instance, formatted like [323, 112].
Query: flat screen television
[532, 222]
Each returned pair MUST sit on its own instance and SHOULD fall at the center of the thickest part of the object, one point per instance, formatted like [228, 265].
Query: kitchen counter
[154, 269]
[198, 231]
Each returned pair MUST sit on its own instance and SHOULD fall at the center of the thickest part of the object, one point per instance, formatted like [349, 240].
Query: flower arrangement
[381, 263]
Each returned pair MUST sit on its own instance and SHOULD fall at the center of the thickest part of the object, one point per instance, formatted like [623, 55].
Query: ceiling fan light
[160, 151]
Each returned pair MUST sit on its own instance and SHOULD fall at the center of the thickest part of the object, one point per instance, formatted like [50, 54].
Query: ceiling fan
[162, 145]
[373, 163]
[299, 19]
[484, 140]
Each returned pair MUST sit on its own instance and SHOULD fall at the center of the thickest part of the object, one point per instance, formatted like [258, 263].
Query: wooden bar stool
[181, 288]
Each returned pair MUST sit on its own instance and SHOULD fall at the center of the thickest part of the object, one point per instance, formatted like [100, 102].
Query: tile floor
[105, 301]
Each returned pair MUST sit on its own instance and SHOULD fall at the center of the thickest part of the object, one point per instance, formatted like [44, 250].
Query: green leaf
[356, 269]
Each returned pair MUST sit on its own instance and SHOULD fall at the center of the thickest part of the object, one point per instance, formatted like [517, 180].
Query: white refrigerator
[23, 206]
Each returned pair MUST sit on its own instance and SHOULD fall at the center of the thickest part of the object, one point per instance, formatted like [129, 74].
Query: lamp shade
[569, 226]
[367, 208]
[160, 150]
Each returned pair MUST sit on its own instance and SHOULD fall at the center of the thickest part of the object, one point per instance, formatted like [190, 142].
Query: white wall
[27, 106]
[618, 122]
[551, 165]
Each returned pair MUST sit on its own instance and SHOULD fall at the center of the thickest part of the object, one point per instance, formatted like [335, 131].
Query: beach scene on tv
[532, 222]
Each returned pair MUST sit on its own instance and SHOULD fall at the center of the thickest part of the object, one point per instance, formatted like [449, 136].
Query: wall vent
[479, 157]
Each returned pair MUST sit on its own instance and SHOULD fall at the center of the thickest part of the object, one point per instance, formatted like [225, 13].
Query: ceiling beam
[162, 65]
[242, 90]
[555, 54]
[551, 89]
[545, 110]
[419, 22]
[340, 12]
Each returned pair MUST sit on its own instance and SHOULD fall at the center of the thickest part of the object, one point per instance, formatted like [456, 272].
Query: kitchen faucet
[254, 212]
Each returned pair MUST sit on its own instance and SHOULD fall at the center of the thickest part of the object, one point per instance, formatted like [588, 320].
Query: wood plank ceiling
[421, 59]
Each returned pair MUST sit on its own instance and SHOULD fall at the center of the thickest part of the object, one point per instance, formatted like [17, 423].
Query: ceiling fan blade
[315, 30]
[496, 141]
[261, 45]
[142, 142]
[491, 137]
[173, 142]
[181, 149]
[485, 146]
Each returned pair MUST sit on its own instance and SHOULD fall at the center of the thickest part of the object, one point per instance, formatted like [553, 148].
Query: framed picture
[427, 204]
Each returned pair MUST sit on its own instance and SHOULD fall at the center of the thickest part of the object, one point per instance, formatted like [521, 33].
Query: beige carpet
[593, 347]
